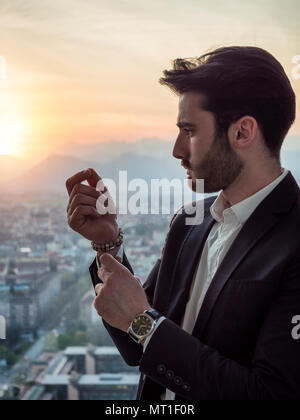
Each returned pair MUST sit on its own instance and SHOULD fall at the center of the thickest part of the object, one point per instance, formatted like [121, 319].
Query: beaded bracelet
[110, 245]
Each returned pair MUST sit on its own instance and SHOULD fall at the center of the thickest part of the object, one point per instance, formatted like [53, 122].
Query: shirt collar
[240, 212]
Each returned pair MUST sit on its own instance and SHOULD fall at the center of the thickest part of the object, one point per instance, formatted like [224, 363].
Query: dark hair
[238, 81]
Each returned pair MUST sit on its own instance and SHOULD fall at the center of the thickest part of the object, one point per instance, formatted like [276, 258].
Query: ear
[243, 132]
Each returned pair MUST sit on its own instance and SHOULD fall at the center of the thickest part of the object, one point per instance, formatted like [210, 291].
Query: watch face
[142, 325]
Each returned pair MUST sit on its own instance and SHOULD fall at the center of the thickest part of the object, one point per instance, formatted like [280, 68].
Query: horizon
[49, 175]
[291, 144]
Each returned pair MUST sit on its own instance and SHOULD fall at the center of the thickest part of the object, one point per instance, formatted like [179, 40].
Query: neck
[250, 181]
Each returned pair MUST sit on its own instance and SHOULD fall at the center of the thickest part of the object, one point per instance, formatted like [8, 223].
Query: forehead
[191, 106]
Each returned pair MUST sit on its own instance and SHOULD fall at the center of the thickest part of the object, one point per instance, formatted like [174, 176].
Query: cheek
[198, 149]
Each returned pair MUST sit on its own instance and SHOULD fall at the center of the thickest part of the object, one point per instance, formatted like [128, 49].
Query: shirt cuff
[119, 254]
[161, 319]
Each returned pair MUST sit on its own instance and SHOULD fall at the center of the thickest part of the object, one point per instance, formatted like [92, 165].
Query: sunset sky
[88, 70]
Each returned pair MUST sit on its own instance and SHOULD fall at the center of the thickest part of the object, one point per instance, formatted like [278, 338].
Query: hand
[82, 214]
[121, 296]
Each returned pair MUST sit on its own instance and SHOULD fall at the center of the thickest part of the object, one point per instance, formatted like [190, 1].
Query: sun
[10, 135]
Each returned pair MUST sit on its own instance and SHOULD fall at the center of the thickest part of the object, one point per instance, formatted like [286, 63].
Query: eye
[188, 131]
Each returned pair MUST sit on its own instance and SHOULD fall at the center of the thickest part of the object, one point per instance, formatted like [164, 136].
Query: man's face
[203, 153]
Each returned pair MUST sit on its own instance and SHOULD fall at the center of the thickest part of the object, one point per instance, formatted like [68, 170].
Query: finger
[110, 263]
[96, 305]
[101, 186]
[81, 200]
[105, 205]
[103, 273]
[98, 288]
[85, 190]
[118, 259]
[77, 179]
[77, 219]
[106, 276]
[93, 178]
[138, 279]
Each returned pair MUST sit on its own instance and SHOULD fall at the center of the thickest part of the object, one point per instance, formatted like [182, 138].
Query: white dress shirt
[229, 221]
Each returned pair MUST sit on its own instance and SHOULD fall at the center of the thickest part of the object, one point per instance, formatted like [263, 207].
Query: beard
[219, 167]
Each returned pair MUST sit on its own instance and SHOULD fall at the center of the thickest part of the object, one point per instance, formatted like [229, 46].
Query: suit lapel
[186, 264]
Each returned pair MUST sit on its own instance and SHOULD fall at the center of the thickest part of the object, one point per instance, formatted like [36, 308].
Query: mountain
[11, 167]
[146, 167]
[49, 176]
[108, 150]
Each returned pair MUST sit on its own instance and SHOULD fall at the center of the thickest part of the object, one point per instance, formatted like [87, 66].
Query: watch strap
[153, 313]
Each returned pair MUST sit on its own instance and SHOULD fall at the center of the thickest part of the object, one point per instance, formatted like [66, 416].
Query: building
[105, 386]
[26, 292]
[82, 373]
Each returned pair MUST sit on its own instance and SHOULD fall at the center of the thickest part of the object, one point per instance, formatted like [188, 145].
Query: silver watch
[143, 325]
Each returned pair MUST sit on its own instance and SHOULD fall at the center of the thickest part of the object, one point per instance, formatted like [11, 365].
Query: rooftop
[88, 380]
[98, 351]
[109, 379]
[75, 351]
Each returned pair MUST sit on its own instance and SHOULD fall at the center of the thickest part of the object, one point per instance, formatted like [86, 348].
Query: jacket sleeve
[199, 372]
[129, 350]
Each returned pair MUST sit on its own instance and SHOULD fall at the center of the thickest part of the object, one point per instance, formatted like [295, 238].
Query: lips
[188, 170]
[185, 167]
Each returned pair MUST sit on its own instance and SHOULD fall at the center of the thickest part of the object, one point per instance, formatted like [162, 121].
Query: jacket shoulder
[187, 208]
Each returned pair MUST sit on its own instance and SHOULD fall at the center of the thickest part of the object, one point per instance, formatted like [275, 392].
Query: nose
[180, 150]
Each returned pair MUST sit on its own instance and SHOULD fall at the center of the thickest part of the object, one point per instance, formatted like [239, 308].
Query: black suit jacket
[242, 345]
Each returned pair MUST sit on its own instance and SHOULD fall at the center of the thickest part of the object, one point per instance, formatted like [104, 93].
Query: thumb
[109, 262]
[138, 279]
[95, 213]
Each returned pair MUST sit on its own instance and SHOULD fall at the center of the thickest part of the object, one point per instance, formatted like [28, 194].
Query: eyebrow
[185, 124]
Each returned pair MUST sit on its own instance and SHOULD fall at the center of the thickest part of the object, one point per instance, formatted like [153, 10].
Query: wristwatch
[143, 325]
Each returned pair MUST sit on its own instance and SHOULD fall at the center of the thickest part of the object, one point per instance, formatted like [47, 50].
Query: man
[225, 293]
